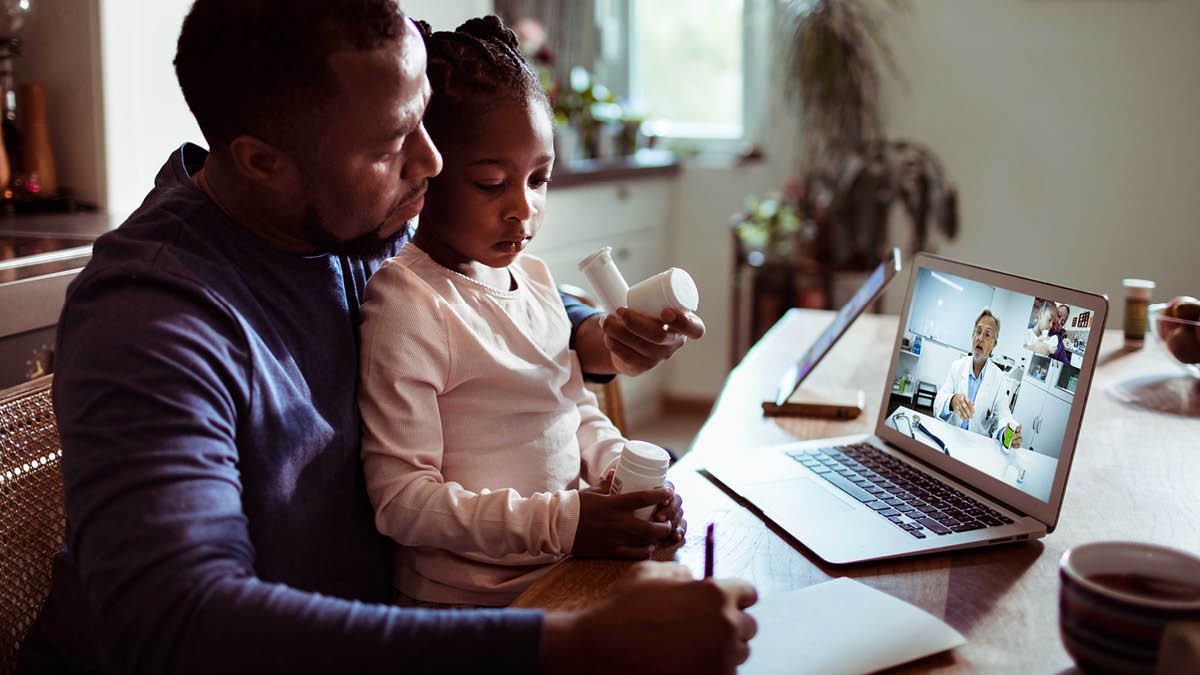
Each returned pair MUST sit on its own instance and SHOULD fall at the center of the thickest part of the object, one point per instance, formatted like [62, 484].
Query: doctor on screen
[972, 397]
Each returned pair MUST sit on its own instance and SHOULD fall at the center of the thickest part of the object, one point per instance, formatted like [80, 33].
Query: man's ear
[265, 165]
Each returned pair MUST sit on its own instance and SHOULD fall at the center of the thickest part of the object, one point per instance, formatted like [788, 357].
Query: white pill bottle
[602, 273]
[672, 288]
[643, 466]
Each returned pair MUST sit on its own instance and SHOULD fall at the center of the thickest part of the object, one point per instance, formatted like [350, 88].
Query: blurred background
[771, 148]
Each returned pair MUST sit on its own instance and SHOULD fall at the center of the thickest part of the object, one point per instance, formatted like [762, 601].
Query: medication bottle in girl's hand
[643, 466]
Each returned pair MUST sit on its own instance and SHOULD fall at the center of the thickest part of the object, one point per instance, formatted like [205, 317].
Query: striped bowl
[1114, 630]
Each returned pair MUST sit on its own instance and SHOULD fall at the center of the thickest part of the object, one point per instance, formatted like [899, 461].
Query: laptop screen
[987, 375]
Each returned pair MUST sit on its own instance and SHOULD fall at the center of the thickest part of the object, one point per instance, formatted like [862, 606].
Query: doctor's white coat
[991, 401]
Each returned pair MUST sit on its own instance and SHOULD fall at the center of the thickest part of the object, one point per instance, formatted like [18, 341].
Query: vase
[39, 157]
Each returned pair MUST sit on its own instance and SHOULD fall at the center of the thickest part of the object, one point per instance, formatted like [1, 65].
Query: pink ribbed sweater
[476, 427]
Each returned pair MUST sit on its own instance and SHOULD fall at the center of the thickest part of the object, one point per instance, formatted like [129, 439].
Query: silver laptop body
[852, 499]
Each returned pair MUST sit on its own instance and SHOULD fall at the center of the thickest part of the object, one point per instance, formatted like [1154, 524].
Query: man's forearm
[560, 648]
[594, 356]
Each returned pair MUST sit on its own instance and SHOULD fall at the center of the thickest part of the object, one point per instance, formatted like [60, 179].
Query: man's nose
[424, 160]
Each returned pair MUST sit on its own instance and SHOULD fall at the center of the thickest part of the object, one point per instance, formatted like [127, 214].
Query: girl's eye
[490, 187]
[536, 183]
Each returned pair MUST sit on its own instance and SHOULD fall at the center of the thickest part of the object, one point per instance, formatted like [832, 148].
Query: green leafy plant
[837, 55]
[771, 226]
[833, 75]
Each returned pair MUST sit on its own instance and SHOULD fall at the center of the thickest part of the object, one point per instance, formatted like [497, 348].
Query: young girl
[477, 429]
[1040, 338]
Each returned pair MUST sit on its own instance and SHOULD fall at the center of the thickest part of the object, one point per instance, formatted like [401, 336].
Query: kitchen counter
[83, 225]
[33, 246]
[645, 163]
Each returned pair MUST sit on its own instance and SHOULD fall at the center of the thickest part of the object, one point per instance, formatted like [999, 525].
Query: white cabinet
[1052, 425]
[632, 218]
[1027, 409]
[1043, 417]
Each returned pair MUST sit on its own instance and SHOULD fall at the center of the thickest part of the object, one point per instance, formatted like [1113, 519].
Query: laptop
[929, 479]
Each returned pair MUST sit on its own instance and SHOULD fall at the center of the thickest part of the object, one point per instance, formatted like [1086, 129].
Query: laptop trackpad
[803, 495]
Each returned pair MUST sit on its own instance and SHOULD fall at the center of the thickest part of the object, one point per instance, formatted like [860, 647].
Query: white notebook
[841, 626]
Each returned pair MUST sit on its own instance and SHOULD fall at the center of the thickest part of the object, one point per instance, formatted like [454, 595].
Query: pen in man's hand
[709, 542]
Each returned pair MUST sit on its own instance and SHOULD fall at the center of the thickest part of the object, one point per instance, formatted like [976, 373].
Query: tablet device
[871, 288]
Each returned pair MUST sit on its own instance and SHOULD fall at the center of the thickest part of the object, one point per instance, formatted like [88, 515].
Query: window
[695, 70]
[686, 65]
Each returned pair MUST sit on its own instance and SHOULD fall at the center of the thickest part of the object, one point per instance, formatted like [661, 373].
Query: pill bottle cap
[600, 257]
[1138, 289]
[647, 457]
[679, 289]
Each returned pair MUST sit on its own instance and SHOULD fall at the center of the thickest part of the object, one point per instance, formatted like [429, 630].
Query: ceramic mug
[1117, 598]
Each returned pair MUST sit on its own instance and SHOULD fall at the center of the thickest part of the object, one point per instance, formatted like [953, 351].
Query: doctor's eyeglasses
[985, 333]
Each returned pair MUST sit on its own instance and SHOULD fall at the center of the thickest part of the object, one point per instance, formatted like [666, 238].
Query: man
[1041, 338]
[1058, 330]
[972, 396]
[206, 381]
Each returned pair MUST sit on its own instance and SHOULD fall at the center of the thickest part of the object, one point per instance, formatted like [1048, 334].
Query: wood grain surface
[1135, 476]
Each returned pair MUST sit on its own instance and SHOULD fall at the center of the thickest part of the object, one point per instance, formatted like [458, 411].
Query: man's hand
[608, 527]
[1016, 439]
[639, 342]
[655, 620]
[962, 406]
[630, 343]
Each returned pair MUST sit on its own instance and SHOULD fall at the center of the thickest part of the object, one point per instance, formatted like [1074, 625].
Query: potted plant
[833, 71]
[771, 228]
[776, 264]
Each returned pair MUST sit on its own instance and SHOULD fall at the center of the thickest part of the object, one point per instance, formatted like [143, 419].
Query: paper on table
[841, 626]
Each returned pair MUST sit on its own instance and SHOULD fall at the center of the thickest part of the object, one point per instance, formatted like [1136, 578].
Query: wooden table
[1136, 475]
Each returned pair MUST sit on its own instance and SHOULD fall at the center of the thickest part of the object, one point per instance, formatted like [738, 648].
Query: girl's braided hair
[470, 70]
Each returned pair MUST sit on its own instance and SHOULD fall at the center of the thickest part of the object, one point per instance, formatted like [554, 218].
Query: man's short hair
[988, 312]
[261, 67]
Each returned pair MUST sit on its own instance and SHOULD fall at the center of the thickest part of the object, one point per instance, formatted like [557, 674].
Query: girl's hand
[604, 486]
[671, 511]
[608, 527]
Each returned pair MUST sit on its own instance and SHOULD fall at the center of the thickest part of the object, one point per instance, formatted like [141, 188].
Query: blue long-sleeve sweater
[205, 394]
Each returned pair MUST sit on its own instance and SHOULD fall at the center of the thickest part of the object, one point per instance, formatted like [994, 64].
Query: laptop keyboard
[915, 502]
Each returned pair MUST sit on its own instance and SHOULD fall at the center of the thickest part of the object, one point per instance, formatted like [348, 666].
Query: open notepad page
[841, 626]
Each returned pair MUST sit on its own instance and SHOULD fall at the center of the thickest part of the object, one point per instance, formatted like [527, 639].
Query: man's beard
[368, 245]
